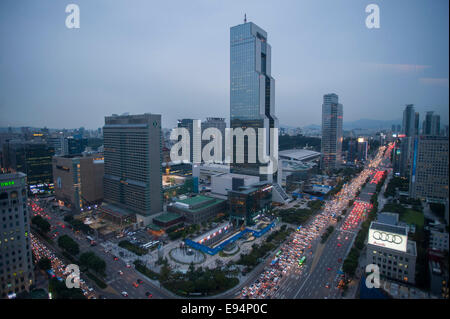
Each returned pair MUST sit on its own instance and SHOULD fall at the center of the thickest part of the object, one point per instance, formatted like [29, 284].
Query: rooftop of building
[154, 227]
[194, 200]
[388, 218]
[298, 154]
[115, 210]
[251, 188]
[11, 176]
[234, 175]
[389, 228]
[167, 217]
[198, 202]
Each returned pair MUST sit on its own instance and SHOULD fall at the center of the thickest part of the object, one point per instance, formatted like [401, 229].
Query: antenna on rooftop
[245, 18]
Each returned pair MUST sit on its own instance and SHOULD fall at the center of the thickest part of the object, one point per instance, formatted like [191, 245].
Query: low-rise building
[168, 219]
[222, 183]
[78, 180]
[247, 202]
[197, 209]
[438, 239]
[389, 248]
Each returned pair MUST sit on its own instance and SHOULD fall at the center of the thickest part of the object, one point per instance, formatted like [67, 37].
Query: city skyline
[89, 69]
[213, 150]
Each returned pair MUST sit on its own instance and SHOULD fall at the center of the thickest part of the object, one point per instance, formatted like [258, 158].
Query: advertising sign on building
[388, 240]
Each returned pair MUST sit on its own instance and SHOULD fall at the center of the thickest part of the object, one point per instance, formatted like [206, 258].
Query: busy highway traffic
[295, 271]
[123, 279]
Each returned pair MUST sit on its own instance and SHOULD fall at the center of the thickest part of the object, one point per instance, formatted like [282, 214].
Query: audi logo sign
[391, 238]
[388, 240]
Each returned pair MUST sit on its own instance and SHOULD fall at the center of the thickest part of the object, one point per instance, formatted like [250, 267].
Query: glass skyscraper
[332, 118]
[252, 91]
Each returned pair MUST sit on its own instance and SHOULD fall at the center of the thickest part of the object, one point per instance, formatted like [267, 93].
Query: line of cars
[358, 213]
[291, 256]
[58, 269]
[294, 250]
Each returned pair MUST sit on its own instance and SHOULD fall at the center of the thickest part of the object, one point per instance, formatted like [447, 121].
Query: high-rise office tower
[363, 147]
[31, 158]
[416, 123]
[252, 92]
[218, 123]
[132, 155]
[352, 150]
[410, 129]
[432, 124]
[409, 121]
[16, 266]
[74, 145]
[332, 117]
[56, 141]
[429, 172]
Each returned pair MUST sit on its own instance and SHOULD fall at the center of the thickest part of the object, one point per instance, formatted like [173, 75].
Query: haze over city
[173, 59]
[217, 152]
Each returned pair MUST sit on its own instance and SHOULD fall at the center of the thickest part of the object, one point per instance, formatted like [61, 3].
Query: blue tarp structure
[213, 251]
[301, 195]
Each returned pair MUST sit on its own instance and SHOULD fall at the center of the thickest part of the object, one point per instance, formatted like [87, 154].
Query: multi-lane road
[322, 281]
[320, 275]
[117, 283]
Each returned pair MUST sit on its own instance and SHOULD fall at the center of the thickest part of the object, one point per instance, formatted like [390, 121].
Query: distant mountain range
[371, 124]
[358, 124]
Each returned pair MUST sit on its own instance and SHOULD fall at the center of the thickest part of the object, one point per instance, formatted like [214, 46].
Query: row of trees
[327, 234]
[258, 252]
[77, 224]
[92, 261]
[41, 224]
[396, 182]
[286, 142]
[59, 290]
[299, 216]
[133, 248]
[68, 244]
[197, 281]
[294, 216]
[177, 232]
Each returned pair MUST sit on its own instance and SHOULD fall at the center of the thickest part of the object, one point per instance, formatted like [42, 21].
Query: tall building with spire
[252, 92]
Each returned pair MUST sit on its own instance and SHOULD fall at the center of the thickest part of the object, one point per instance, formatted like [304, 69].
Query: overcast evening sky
[172, 58]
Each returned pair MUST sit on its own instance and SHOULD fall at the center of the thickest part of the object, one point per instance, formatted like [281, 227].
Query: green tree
[44, 264]
[68, 244]
[41, 224]
[60, 291]
[92, 261]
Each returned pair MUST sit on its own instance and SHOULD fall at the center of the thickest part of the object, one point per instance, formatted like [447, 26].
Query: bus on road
[301, 261]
